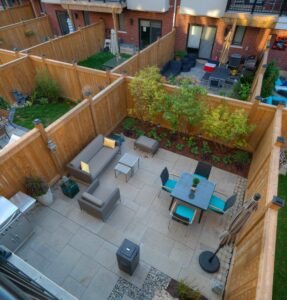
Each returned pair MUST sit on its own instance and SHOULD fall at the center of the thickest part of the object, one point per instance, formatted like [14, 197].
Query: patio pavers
[20, 131]
[78, 251]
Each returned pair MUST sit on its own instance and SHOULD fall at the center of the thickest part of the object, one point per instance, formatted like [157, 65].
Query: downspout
[174, 14]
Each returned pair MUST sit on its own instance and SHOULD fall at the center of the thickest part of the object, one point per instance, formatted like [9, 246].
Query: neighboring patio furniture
[228, 83]
[69, 187]
[205, 78]
[122, 169]
[96, 155]
[188, 62]
[131, 161]
[146, 144]
[167, 183]
[99, 201]
[19, 97]
[250, 63]
[203, 170]
[10, 117]
[199, 199]
[234, 60]
[220, 206]
[209, 67]
[171, 69]
[220, 74]
[128, 256]
[281, 86]
[182, 213]
[3, 132]
[118, 138]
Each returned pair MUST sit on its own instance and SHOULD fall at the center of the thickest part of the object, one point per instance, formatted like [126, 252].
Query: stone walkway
[78, 251]
[20, 131]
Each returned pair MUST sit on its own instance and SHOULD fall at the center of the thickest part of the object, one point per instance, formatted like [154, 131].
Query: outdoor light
[52, 146]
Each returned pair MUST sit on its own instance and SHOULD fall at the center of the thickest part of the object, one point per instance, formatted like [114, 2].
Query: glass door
[62, 17]
[149, 31]
[194, 36]
[206, 42]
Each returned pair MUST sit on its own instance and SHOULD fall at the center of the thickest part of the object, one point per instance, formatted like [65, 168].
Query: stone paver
[78, 251]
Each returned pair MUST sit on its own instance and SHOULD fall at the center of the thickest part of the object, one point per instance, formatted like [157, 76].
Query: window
[121, 22]
[238, 36]
[86, 18]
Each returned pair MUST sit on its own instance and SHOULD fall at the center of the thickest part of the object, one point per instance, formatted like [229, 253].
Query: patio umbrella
[208, 261]
[114, 43]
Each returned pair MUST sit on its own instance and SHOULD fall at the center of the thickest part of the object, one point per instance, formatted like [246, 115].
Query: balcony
[271, 7]
[148, 5]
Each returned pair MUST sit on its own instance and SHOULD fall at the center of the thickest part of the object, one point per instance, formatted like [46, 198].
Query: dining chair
[167, 183]
[182, 213]
[220, 206]
[203, 170]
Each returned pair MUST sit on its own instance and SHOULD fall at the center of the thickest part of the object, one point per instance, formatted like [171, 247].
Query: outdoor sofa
[171, 69]
[96, 155]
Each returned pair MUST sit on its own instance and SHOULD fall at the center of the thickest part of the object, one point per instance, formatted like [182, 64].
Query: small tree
[184, 107]
[148, 92]
[46, 88]
[228, 127]
[269, 79]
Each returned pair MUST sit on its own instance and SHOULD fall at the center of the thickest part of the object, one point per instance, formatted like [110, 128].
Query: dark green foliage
[180, 54]
[179, 147]
[269, 79]
[241, 157]
[129, 124]
[191, 142]
[153, 134]
[227, 159]
[139, 132]
[241, 89]
[216, 158]
[35, 186]
[4, 104]
[168, 144]
[206, 151]
[187, 293]
[194, 150]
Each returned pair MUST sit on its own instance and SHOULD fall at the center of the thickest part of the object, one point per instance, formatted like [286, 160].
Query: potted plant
[195, 183]
[37, 188]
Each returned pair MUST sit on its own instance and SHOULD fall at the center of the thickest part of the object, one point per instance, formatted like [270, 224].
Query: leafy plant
[153, 134]
[139, 132]
[227, 159]
[205, 149]
[148, 92]
[191, 142]
[226, 126]
[216, 158]
[269, 79]
[183, 108]
[35, 186]
[129, 124]
[195, 182]
[241, 158]
[194, 150]
[168, 144]
[163, 135]
[185, 292]
[46, 87]
[244, 91]
[4, 104]
[180, 54]
[179, 147]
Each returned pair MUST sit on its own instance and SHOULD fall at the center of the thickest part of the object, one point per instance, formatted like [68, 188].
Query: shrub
[216, 158]
[139, 132]
[129, 125]
[227, 160]
[180, 54]
[179, 147]
[168, 144]
[35, 186]
[229, 127]
[269, 79]
[206, 149]
[241, 158]
[148, 92]
[244, 91]
[46, 87]
[4, 104]
[191, 142]
[194, 150]
[185, 292]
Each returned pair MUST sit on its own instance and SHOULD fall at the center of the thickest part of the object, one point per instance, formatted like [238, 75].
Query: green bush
[46, 88]
[216, 158]
[185, 292]
[129, 124]
[180, 54]
[179, 147]
[4, 104]
[206, 149]
[241, 158]
[269, 79]
[168, 144]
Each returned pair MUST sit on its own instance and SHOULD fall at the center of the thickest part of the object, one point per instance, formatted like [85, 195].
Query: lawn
[47, 113]
[96, 61]
[280, 272]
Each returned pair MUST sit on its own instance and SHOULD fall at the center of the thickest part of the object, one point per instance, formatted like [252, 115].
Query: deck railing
[276, 7]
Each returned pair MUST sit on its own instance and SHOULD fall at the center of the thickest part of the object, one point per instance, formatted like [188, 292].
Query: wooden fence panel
[72, 132]
[109, 107]
[16, 14]
[14, 36]
[28, 156]
[157, 54]
[7, 56]
[75, 46]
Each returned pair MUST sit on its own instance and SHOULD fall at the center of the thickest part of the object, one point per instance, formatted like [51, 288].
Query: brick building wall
[280, 57]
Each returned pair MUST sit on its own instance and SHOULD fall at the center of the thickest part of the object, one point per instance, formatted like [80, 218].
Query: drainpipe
[174, 14]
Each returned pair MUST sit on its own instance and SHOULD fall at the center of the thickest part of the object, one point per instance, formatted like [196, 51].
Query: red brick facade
[253, 42]
[280, 57]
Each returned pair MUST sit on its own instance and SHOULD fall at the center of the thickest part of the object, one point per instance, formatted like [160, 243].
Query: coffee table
[130, 160]
[119, 168]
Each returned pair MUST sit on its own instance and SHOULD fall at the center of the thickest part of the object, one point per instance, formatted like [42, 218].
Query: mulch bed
[172, 290]
[178, 143]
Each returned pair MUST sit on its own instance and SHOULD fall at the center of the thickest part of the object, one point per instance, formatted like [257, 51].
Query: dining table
[200, 198]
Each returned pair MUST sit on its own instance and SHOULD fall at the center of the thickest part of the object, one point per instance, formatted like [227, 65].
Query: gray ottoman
[128, 256]
[146, 144]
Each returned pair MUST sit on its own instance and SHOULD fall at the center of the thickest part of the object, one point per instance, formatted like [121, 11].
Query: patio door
[62, 17]
[200, 40]
[149, 31]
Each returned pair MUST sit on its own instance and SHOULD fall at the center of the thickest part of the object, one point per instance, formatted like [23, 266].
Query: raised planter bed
[191, 146]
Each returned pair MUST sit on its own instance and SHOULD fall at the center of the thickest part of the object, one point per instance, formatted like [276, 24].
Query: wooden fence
[251, 274]
[20, 75]
[7, 56]
[16, 14]
[156, 54]
[25, 34]
[75, 46]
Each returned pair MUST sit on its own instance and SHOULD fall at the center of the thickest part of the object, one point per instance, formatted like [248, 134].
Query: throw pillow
[85, 167]
[109, 143]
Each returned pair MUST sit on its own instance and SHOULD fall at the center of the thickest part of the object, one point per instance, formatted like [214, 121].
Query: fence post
[50, 145]
[78, 79]
[93, 113]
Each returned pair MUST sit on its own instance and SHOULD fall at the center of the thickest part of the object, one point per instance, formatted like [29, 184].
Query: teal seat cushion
[169, 185]
[185, 212]
[217, 204]
[199, 176]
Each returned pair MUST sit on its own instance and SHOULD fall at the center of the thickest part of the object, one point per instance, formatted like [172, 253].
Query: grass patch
[47, 113]
[96, 61]
[280, 271]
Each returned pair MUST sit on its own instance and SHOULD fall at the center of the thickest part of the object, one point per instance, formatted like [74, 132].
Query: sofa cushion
[85, 167]
[109, 143]
[88, 152]
[92, 199]
[100, 161]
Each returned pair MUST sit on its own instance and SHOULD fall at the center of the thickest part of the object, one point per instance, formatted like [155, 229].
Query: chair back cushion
[203, 169]
[164, 176]
[92, 199]
[230, 202]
